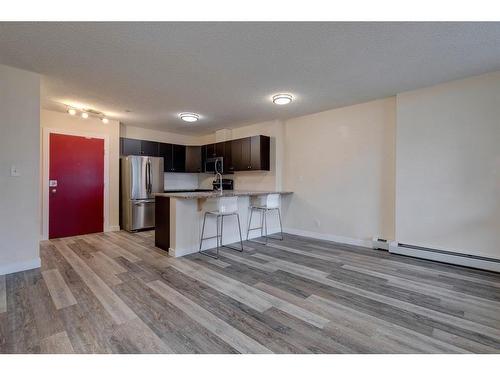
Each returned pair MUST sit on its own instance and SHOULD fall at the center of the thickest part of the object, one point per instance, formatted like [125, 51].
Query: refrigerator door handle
[143, 202]
[150, 184]
[147, 176]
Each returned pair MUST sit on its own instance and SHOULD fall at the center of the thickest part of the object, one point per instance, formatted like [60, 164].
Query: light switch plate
[14, 172]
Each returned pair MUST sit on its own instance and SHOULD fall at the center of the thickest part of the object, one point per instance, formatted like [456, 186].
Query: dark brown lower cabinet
[162, 222]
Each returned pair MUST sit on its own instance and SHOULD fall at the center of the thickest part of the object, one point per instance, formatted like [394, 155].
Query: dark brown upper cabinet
[138, 147]
[220, 149]
[228, 157]
[244, 154]
[149, 148]
[260, 153]
[251, 153]
[210, 151]
[179, 158]
[236, 160]
[193, 159]
[174, 157]
[130, 146]
[165, 152]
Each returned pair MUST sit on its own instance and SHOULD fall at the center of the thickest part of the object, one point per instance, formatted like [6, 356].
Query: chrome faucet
[218, 174]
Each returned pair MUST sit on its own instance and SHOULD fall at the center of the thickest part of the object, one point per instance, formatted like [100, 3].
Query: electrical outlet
[14, 172]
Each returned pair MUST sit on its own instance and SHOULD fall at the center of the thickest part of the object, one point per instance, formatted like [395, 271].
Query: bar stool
[272, 202]
[226, 206]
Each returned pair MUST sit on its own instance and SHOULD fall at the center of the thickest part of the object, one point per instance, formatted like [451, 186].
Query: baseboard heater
[467, 260]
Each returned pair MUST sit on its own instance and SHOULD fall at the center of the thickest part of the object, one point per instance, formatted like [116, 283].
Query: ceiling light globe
[282, 99]
[105, 120]
[72, 111]
[189, 117]
[85, 115]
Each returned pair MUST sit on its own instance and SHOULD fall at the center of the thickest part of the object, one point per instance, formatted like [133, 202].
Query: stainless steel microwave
[214, 165]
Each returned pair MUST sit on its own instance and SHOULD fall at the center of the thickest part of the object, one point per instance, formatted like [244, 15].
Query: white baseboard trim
[446, 257]
[112, 228]
[20, 266]
[329, 237]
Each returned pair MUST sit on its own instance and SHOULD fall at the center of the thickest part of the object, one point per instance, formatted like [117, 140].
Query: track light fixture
[86, 113]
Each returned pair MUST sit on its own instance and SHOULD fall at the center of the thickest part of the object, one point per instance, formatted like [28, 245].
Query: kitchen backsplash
[178, 181]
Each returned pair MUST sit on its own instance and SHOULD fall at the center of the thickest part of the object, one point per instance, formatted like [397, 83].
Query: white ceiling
[227, 71]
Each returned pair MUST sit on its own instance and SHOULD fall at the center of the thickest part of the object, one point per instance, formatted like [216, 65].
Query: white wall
[59, 121]
[162, 136]
[448, 166]
[340, 166]
[19, 146]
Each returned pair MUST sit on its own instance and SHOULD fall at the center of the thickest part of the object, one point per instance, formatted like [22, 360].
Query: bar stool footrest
[255, 228]
[232, 248]
[208, 238]
[206, 253]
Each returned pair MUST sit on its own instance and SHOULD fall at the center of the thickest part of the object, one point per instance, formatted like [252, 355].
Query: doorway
[76, 185]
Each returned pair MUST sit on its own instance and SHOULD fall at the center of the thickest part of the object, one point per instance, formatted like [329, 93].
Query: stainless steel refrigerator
[141, 177]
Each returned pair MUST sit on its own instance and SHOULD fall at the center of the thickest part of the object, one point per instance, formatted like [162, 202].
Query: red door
[76, 185]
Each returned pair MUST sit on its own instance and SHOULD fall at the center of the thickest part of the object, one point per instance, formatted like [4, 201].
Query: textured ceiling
[227, 71]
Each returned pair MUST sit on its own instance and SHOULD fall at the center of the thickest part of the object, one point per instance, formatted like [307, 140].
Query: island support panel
[162, 223]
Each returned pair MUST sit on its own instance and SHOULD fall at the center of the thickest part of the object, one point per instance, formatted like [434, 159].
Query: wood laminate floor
[116, 293]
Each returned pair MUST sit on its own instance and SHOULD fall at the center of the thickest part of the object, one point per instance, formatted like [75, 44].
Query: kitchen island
[179, 217]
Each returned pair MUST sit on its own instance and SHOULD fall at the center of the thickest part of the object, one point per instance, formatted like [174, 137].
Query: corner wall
[19, 147]
[340, 165]
[448, 166]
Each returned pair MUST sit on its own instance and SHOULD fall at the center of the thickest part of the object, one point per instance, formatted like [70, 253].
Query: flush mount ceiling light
[85, 115]
[72, 111]
[282, 99]
[189, 116]
[104, 120]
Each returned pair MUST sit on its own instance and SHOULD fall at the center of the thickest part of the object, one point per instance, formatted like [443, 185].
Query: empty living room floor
[116, 293]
